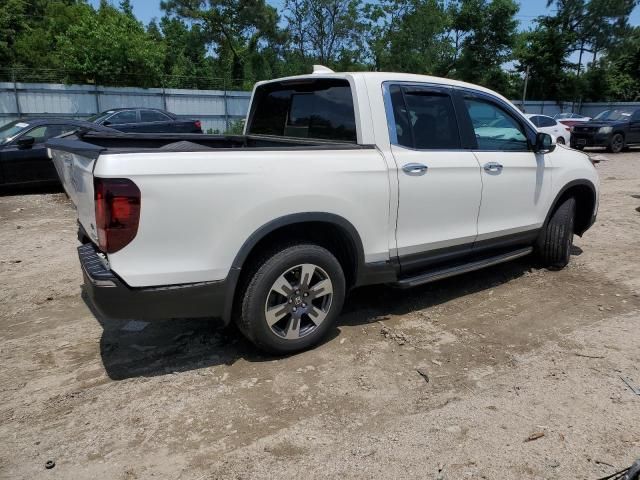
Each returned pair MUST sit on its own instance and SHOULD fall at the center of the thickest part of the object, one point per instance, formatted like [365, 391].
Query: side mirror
[106, 123]
[25, 143]
[545, 143]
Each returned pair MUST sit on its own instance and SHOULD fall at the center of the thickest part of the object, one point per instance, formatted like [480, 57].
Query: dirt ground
[524, 370]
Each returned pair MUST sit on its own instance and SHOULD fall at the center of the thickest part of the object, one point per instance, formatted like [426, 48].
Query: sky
[146, 10]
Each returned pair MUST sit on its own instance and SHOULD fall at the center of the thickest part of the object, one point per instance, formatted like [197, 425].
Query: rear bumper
[115, 299]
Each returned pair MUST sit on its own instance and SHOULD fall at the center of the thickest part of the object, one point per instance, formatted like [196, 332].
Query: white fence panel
[216, 109]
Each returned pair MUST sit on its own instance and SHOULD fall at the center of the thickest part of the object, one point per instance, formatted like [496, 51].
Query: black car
[613, 129]
[23, 155]
[145, 120]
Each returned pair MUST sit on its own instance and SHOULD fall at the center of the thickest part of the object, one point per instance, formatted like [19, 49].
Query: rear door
[516, 181]
[439, 180]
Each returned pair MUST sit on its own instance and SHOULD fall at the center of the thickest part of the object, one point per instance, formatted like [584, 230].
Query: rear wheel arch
[333, 232]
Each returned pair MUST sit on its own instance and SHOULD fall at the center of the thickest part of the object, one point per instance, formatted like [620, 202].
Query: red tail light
[198, 124]
[117, 212]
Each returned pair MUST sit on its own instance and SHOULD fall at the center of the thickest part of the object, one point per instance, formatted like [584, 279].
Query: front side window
[39, 133]
[45, 132]
[494, 128]
[322, 109]
[424, 119]
[126, 116]
[9, 131]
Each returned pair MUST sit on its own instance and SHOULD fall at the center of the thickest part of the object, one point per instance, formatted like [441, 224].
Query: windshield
[9, 131]
[614, 115]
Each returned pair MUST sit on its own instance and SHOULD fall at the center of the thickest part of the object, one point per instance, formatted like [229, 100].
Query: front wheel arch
[585, 194]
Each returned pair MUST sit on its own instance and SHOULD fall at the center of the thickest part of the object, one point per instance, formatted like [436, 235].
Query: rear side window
[495, 129]
[545, 121]
[424, 119]
[322, 109]
[152, 116]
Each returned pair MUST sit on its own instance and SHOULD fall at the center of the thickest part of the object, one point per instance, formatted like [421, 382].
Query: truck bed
[91, 144]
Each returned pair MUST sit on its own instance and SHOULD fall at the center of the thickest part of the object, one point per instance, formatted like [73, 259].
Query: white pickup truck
[340, 180]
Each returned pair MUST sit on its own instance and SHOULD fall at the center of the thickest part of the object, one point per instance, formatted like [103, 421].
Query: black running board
[434, 275]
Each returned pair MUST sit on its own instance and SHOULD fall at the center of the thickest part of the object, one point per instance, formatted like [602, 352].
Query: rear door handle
[414, 169]
[492, 167]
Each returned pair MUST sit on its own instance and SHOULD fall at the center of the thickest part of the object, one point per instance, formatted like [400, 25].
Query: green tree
[12, 23]
[411, 36]
[543, 51]
[233, 29]
[485, 35]
[325, 31]
[185, 61]
[109, 47]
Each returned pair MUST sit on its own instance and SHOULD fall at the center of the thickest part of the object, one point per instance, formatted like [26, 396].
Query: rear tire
[617, 143]
[560, 140]
[553, 247]
[292, 297]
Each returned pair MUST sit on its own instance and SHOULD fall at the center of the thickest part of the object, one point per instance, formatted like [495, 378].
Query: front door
[516, 181]
[634, 128]
[439, 182]
[31, 164]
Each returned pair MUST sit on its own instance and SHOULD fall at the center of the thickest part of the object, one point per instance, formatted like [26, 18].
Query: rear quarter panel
[197, 209]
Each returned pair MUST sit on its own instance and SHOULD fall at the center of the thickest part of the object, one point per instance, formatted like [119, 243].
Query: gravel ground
[511, 372]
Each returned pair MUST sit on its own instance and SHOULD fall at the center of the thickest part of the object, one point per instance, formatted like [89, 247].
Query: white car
[572, 117]
[543, 123]
[341, 180]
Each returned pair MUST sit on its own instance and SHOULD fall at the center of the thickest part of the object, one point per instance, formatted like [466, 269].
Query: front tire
[553, 247]
[292, 298]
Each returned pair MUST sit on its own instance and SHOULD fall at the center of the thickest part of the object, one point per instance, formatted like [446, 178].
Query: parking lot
[510, 372]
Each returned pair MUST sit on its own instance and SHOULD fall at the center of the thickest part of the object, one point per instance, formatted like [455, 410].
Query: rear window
[320, 109]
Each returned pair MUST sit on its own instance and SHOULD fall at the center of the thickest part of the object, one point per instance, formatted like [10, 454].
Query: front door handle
[414, 169]
[492, 167]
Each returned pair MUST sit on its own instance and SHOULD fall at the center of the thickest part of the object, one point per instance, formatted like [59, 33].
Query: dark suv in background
[612, 129]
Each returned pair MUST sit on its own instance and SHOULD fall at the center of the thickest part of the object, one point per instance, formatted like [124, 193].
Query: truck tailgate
[75, 169]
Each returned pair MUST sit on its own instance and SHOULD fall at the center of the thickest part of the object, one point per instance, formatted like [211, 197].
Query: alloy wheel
[298, 301]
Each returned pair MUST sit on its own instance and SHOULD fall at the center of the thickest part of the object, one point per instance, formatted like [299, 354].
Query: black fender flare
[273, 225]
[563, 190]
